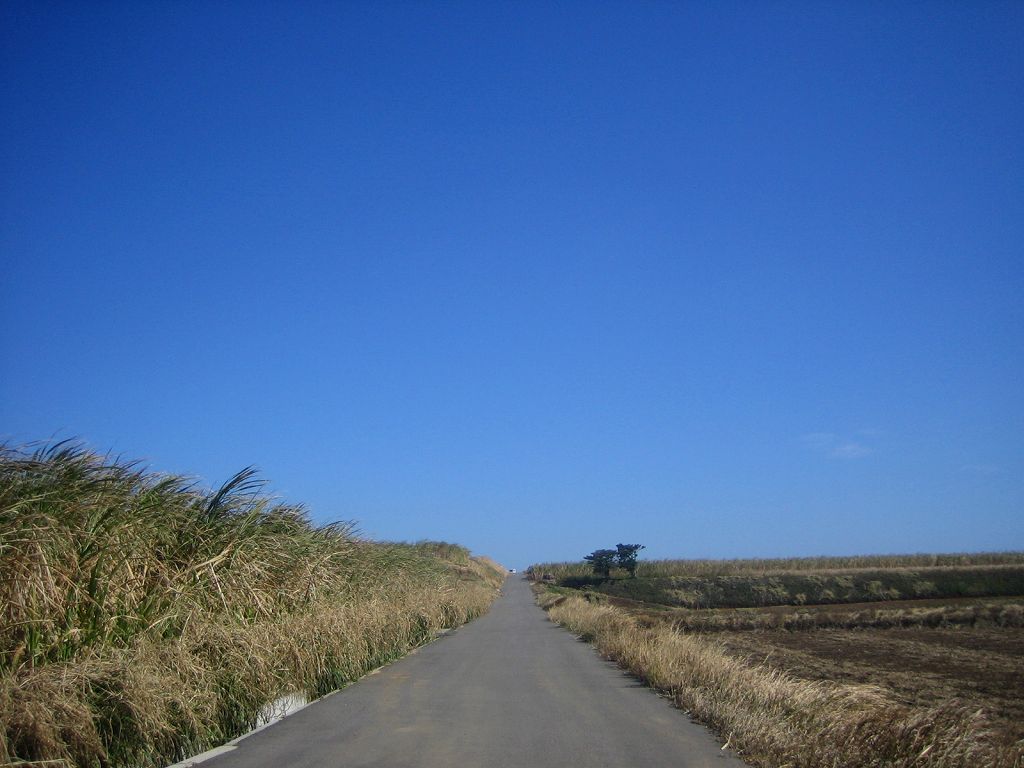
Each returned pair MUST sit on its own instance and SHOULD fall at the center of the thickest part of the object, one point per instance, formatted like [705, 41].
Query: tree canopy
[623, 556]
[602, 561]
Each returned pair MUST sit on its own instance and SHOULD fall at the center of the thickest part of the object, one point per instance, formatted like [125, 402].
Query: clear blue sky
[727, 279]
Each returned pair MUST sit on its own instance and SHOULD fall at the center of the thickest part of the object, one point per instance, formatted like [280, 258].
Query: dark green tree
[625, 556]
[602, 561]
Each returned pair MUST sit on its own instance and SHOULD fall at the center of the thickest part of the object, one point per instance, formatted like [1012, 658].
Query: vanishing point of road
[508, 689]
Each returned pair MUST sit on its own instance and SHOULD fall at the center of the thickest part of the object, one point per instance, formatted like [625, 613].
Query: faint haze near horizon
[729, 280]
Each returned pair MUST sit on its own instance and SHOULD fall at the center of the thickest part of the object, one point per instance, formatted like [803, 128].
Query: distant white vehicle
[511, 570]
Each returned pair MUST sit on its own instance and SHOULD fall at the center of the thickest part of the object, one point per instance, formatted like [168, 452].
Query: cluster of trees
[623, 556]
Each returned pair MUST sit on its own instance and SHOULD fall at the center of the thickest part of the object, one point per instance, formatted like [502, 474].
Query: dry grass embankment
[698, 584]
[707, 567]
[907, 614]
[145, 619]
[774, 719]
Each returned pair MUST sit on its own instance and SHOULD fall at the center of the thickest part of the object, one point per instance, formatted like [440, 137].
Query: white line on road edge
[270, 714]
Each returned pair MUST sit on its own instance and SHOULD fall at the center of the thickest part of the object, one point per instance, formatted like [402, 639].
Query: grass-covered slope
[759, 583]
[825, 587]
[144, 619]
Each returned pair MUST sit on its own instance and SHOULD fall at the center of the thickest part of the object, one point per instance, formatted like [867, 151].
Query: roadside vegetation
[772, 718]
[910, 661]
[145, 619]
[706, 567]
[752, 590]
[623, 557]
[905, 614]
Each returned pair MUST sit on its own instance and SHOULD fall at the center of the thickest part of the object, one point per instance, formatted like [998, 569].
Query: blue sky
[727, 279]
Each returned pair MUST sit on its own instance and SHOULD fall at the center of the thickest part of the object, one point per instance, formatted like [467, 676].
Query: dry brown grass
[775, 719]
[981, 666]
[158, 700]
[808, 587]
[967, 612]
[143, 619]
[649, 569]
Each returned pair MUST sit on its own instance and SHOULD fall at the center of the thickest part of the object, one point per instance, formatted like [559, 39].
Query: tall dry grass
[775, 720]
[707, 567]
[145, 618]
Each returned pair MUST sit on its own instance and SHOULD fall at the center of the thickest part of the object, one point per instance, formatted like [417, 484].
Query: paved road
[509, 689]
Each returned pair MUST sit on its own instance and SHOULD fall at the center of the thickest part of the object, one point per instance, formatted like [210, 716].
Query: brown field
[934, 643]
[798, 710]
[981, 667]
[968, 658]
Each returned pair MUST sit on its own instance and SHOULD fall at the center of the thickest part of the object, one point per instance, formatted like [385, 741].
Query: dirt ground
[982, 667]
[664, 611]
[979, 666]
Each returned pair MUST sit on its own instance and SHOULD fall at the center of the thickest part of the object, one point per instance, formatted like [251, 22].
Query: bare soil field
[928, 650]
[979, 664]
[936, 602]
[982, 667]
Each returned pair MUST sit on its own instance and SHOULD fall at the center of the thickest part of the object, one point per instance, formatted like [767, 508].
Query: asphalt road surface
[509, 689]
